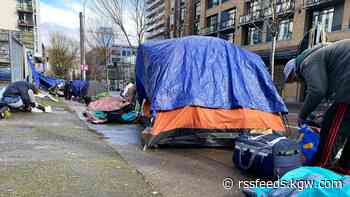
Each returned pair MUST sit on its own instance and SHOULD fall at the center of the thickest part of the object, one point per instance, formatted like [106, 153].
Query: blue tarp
[48, 82]
[204, 71]
[305, 182]
[79, 88]
[42, 80]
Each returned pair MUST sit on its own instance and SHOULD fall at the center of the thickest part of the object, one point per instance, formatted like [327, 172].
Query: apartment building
[19, 29]
[157, 17]
[247, 23]
[22, 18]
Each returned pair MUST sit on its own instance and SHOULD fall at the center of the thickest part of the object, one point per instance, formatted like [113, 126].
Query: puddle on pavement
[59, 110]
[119, 134]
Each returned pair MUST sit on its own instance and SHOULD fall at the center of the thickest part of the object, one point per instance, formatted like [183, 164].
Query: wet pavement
[55, 154]
[174, 172]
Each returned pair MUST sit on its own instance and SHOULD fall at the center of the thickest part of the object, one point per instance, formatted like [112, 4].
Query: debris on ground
[118, 109]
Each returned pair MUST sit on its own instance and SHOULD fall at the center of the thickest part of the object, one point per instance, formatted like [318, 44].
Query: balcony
[154, 33]
[312, 3]
[153, 5]
[261, 14]
[24, 23]
[227, 24]
[154, 25]
[156, 11]
[289, 8]
[209, 30]
[251, 18]
[24, 7]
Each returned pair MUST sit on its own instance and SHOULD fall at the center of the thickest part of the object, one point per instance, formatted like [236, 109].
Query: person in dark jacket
[325, 69]
[20, 94]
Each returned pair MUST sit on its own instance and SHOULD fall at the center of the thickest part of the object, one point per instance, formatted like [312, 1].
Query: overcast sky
[63, 16]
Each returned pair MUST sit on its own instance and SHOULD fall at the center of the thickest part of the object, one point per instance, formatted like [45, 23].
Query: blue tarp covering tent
[79, 87]
[204, 71]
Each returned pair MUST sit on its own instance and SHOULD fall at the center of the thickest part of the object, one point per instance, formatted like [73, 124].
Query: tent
[204, 87]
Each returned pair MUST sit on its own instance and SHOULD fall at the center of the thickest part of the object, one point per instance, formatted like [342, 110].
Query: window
[285, 30]
[228, 18]
[254, 36]
[195, 28]
[324, 19]
[197, 11]
[212, 3]
[212, 22]
[254, 7]
[284, 5]
[182, 13]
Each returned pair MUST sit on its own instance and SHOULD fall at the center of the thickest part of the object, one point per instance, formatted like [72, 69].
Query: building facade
[19, 30]
[157, 17]
[122, 66]
[248, 23]
[28, 25]
[22, 18]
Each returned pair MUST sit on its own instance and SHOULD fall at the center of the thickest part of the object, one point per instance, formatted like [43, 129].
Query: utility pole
[274, 26]
[82, 46]
[107, 73]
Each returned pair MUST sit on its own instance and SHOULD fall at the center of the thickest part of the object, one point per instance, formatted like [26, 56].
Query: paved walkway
[174, 172]
[50, 155]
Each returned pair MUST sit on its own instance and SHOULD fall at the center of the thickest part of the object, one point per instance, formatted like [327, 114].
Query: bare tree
[101, 36]
[114, 10]
[271, 13]
[139, 18]
[63, 54]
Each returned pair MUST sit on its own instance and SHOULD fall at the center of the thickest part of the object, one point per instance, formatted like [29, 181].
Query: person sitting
[20, 95]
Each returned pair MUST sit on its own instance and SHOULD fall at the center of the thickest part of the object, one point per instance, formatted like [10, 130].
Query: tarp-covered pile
[77, 88]
[199, 84]
[42, 80]
[112, 109]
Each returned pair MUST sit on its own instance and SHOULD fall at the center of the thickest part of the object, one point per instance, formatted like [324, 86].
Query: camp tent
[203, 87]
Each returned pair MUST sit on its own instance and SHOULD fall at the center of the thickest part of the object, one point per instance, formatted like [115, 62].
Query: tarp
[42, 80]
[49, 82]
[305, 182]
[204, 71]
[108, 104]
[79, 88]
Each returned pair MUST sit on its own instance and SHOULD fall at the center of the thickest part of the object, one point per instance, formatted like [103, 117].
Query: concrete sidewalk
[174, 172]
[55, 154]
